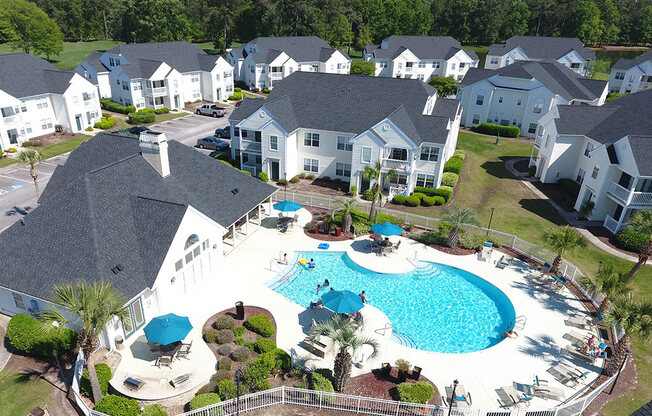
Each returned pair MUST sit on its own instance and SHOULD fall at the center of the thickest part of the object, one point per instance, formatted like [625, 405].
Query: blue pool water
[433, 308]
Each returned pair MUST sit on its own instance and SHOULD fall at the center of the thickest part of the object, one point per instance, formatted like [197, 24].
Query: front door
[78, 121]
[364, 184]
[274, 170]
[217, 94]
[13, 136]
[134, 319]
[176, 101]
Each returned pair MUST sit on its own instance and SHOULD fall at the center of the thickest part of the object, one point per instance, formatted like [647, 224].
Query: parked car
[212, 142]
[137, 129]
[224, 132]
[211, 110]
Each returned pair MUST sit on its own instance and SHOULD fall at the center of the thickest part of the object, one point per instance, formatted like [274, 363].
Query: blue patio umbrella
[166, 329]
[287, 206]
[386, 228]
[342, 301]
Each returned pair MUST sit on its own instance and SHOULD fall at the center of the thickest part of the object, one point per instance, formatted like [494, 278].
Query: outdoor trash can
[416, 373]
[239, 310]
[338, 232]
[119, 342]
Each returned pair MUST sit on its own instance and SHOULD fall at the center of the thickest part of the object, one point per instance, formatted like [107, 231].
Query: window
[125, 86]
[343, 169]
[399, 180]
[7, 111]
[23, 106]
[429, 153]
[500, 99]
[217, 77]
[311, 139]
[620, 76]
[494, 61]
[479, 100]
[194, 78]
[43, 103]
[422, 64]
[117, 81]
[111, 62]
[462, 65]
[420, 77]
[257, 136]
[532, 128]
[273, 143]
[519, 102]
[259, 159]
[588, 150]
[400, 65]
[427, 181]
[398, 154]
[547, 141]
[18, 300]
[435, 64]
[227, 74]
[365, 156]
[538, 106]
[596, 171]
[75, 99]
[382, 64]
[343, 143]
[178, 265]
[575, 65]
[28, 127]
[476, 119]
[580, 176]
[508, 61]
[310, 165]
[117, 61]
[191, 241]
[137, 86]
[453, 66]
[46, 123]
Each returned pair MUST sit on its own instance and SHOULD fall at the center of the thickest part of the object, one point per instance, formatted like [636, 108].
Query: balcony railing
[398, 165]
[410, 69]
[275, 75]
[611, 224]
[537, 141]
[158, 91]
[157, 106]
[11, 119]
[629, 196]
[250, 146]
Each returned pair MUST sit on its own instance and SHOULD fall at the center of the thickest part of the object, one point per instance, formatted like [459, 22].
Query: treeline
[349, 23]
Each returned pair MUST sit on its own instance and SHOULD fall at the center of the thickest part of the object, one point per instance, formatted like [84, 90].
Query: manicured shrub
[239, 331]
[154, 410]
[222, 375]
[630, 239]
[237, 89]
[263, 176]
[224, 349]
[266, 90]
[302, 175]
[445, 191]
[130, 109]
[461, 153]
[569, 186]
[260, 324]
[428, 201]
[246, 172]
[320, 383]
[368, 195]
[496, 130]
[439, 200]
[28, 336]
[210, 335]
[115, 107]
[227, 389]
[412, 201]
[353, 190]
[89, 128]
[264, 345]
[236, 96]
[449, 179]
[282, 181]
[310, 176]
[141, 117]
[211, 387]
[282, 360]
[224, 363]
[256, 372]
[419, 392]
[224, 322]
[224, 336]
[117, 406]
[103, 375]
[398, 199]
[30, 143]
[419, 195]
[240, 341]
[203, 400]
[295, 179]
[432, 237]
[241, 354]
[454, 165]
[250, 345]
[162, 110]
[105, 123]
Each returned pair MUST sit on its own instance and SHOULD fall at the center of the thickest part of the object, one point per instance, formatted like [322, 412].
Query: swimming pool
[433, 308]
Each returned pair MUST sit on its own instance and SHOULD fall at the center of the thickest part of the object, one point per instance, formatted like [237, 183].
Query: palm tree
[372, 174]
[345, 205]
[457, 218]
[641, 221]
[91, 307]
[611, 283]
[563, 240]
[31, 158]
[345, 337]
[636, 319]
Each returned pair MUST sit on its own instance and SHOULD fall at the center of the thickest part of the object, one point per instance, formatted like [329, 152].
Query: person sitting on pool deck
[363, 297]
[311, 264]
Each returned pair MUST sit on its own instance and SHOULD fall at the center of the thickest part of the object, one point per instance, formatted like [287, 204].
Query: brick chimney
[154, 148]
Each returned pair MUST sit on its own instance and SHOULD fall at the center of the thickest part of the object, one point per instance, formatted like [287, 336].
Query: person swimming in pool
[363, 297]
[318, 288]
[326, 283]
[510, 334]
[311, 264]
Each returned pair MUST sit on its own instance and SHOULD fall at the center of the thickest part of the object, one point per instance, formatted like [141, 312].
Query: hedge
[227, 389]
[266, 90]
[117, 406]
[263, 176]
[428, 201]
[141, 117]
[236, 96]
[104, 123]
[412, 201]
[203, 400]
[33, 144]
[320, 383]
[398, 199]
[419, 392]
[103, 375]
[28, 336]
[264, 345]
[154, 410]
[116, 107]
[445, 192]
[569, 186]
[439, 200]
[449, 179]
[630, 239]
[282, 360]
[419, 195]
[454, 165]
[260, 324]
[162, 110]
[496, 130]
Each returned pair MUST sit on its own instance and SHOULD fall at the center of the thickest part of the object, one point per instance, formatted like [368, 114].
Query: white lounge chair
[576, 337]
[509, 396]
[549, 392]
[574, 352]
[582, 322]
[568, 376]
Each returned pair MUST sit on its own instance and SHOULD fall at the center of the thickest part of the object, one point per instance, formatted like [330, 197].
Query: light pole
[490, 218]
[450, 409]
[599, 267]
[238, 374]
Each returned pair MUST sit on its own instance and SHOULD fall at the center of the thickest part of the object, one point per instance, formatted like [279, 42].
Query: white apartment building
[266, 60]
[36, 97]
[521, 93]
[631, 75]
[567, 51]
[420, 57]
[334, 125]
[606, 150]
[158, 74]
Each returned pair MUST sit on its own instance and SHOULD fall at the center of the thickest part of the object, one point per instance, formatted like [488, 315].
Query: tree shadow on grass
[543, 209]
[497, 168]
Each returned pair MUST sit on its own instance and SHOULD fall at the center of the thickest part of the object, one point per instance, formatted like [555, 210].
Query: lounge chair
[584, 323]
[509, 396]
[396, 246]
[568, 376]
[462, 397]
[574, 352]
[549, 392]
[577, 337]
[505, 261]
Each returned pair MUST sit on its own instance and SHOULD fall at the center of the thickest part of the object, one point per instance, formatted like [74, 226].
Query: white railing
[641, 198]
[611, 224]
[399, 165]
[537, 141]
[81, 404]
[619, 192]
[629, 196]
[156, 91]
[275, 75]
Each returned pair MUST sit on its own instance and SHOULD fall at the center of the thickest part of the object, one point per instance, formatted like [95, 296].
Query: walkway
[569, 217]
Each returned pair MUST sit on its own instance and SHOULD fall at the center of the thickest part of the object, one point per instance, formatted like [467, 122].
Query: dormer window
[111, 62]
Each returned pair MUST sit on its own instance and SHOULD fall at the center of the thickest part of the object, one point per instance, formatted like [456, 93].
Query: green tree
[610, 17]
[363, 68]
[31, 158]
[339, 30]
[372, 174]
[28, 28]
[585, 22]
[90, 306]
[641, 221]
[611, 283]
[363, 38]
[445, 86]
[643, 28]
[160, 21]
[458, 218]
[347, 339]
[563, 240]
[516, 20]
[598, 66]
[636, 319]
[345, 205]
[487, 21]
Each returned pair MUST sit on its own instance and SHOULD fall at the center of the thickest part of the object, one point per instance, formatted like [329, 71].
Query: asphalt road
[17, 194]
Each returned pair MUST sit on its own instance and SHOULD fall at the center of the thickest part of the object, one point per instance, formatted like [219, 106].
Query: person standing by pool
[285, 258]
[363, 297]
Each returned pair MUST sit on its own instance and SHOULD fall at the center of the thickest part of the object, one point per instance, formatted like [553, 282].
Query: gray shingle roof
[97, 211]
[642, 149]
[626, 64]
[645, 410]
[424, 47]
[180, 55]
[542, 47]
[353, 104]
[299, 48]
[555, 76]
[25, 75]
[94, 60]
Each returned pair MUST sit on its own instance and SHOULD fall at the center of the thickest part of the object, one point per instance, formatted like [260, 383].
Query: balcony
[397, 165]
[156, 92]
[611, 224]
[249, 146]
[275, 75]
[626, 196]
[537, 141]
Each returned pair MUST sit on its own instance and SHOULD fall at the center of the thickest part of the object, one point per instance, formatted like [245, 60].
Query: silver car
[211, 110]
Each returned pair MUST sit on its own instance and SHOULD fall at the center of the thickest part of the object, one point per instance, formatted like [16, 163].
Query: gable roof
[353, 104]
[96, 213]
[94, 61]
[642, 149]
[424, 47]
[626, 64]
[555, 76]
[299, 48]
[180, 55]
[24, 75]
[543, 47]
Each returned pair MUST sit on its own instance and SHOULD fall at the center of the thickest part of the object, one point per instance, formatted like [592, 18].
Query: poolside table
[170, 350]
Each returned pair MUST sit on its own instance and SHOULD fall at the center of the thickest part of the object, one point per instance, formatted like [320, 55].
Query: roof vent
[117, 269]
[235, 191]
[22, 221]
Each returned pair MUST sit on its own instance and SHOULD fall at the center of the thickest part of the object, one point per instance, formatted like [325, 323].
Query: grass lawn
[73, 52]
[487, 184]
[169, 116]
[52, 150]
[602, 76]
[20, 394]
[481, 48]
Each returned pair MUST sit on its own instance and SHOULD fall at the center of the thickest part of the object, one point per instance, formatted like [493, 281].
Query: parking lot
[190, 128]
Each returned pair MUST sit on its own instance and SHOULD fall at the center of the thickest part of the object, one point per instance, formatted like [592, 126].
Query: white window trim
[270, 143]
[363, 148]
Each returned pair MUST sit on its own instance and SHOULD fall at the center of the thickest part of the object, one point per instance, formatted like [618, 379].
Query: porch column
[260, 216]
[247, 223]
[622, 218]
[631, 191]
[240, 144]
[271, 206]
[234, 235]
[531, 156]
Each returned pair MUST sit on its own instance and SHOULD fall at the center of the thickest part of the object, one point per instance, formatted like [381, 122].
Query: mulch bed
[522, 165]
[459, 251]
[317, 186]
[318, 215]
[53, 138]
[606, 237]
[375, 384]
[555, 193]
